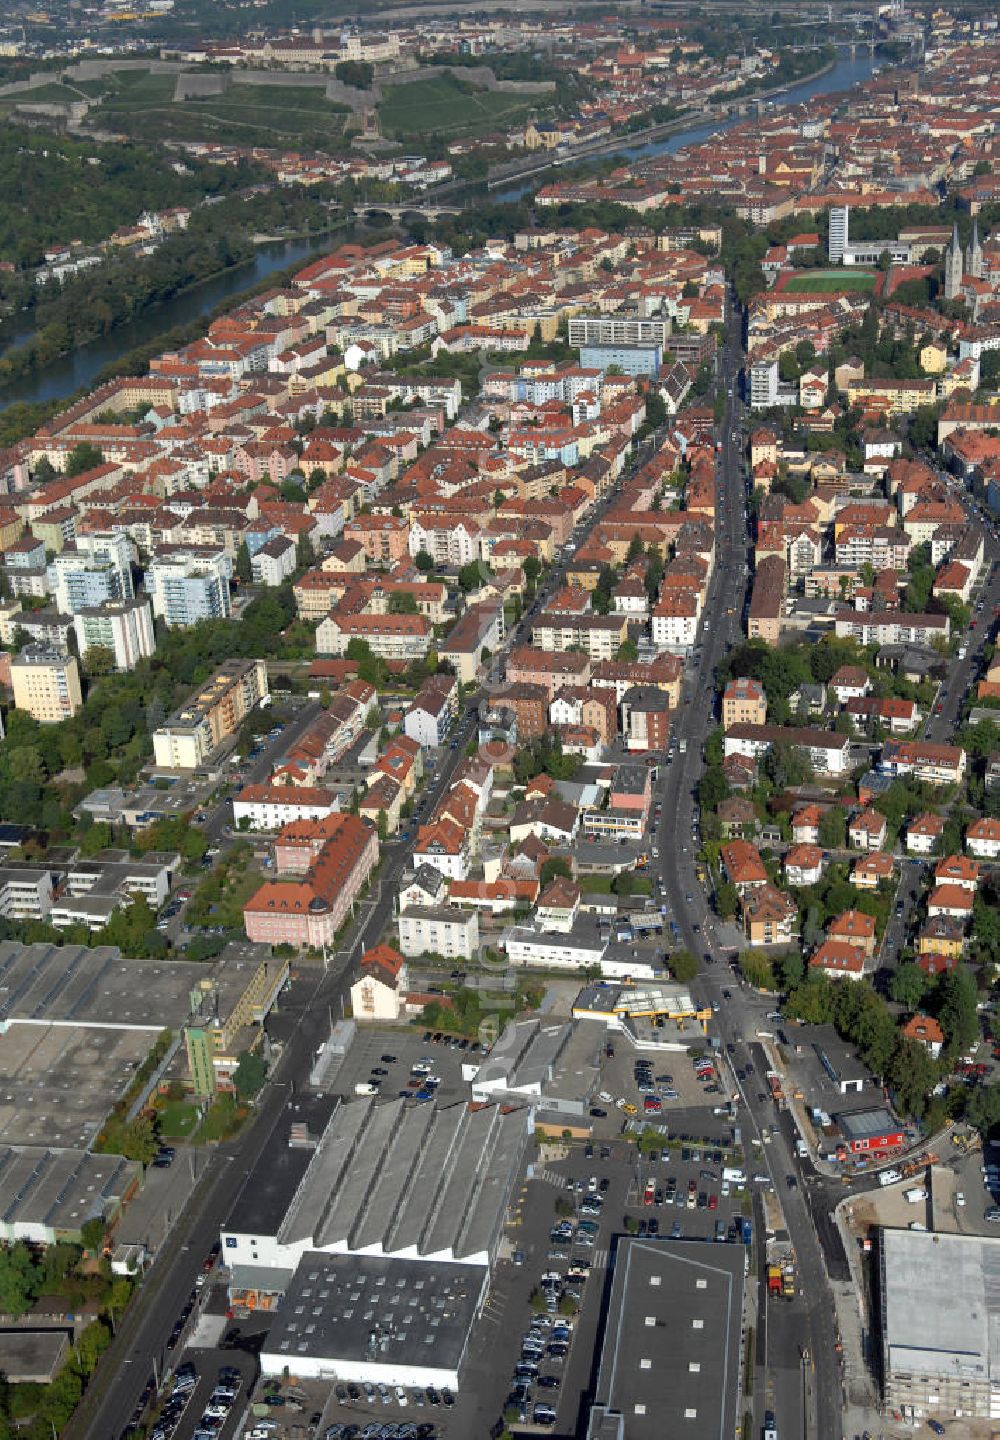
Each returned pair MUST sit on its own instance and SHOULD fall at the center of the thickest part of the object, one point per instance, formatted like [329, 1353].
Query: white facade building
[449, 932]
[125, 627]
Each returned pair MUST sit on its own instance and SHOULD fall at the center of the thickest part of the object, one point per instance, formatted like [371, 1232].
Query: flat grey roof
[583, 936]
[271, 1185]
[372, 1308]
[524, 1056]
[670, 1353]
[58, 1082]
[861, 1124]
[941, 1304]
[32, 1354]
[76, 984]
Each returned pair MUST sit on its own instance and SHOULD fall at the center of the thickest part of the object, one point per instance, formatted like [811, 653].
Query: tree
[712, 788]
[423, 561]
[249, 1075]
[727, 900]
[91, 1346]
[908, 986]
[402, 602]
[628, 651]
[833, 828]
[984, 1109]
[92, 1233]
[18, 1281]
[304, 553]
[141, 1141]
[99, 660]
[986, 926]
[83, 457]
[683, 966]
[555, 865]
[756, 969]
[811, 1002]
[293, 490]
[957, 1013]
[788, 367]
[243, 566]
[923, 427]
[912, 1075]
[471, 577]
[358, 74]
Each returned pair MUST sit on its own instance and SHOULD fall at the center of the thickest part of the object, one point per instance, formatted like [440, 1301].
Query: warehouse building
[386, 1178]
[49, 1195]
[940, 1314]
[670, 1352]
[377, 1321]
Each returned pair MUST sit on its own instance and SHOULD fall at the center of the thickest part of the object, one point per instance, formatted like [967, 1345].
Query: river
[79, 369]
[81, 366]
[845, 73]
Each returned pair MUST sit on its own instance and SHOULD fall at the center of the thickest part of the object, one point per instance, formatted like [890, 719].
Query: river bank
[79, 368]
[673, 135]
[637, 142]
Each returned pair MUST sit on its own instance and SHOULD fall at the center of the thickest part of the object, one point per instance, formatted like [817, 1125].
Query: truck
[774, 1280]
[746, 1229]
[365, 1087]
[889, 1177]
[734, 1175]
[682, 746]
[801, 1149]
[915, 1195]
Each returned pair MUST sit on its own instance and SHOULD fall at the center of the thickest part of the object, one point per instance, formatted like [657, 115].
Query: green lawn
[441, 106]
[818, 282]
[596, 884]
[177, 1119]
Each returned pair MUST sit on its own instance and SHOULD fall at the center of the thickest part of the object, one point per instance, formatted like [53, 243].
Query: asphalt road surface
[819, 1376]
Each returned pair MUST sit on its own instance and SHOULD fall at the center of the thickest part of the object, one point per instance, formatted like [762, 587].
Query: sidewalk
[862, 1402]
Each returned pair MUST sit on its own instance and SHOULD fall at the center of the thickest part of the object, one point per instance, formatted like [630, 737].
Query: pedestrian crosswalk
[551, 1178]
[599, 1259]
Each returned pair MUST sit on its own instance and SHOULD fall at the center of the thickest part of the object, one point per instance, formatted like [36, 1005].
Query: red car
[651, 1105]
[713, 1202]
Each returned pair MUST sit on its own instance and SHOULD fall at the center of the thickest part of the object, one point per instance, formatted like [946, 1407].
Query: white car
[401, 1397]
[959, 1198]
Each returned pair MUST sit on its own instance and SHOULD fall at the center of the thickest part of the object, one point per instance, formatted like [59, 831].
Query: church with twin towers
[957, 266]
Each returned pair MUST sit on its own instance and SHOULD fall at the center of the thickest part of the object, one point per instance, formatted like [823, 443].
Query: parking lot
[676, 1084]
[385, 1057]
[598, 1191]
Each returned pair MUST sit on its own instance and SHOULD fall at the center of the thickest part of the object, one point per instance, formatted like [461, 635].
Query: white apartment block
[125, 627]
[449, 932]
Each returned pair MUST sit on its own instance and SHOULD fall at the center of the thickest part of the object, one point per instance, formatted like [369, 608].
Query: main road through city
[721, 630]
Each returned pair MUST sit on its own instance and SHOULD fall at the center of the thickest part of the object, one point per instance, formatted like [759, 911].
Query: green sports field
[819, 282]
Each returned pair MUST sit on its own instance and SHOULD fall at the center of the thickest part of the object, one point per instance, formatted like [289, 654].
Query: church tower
[953, 267]
[974, 255]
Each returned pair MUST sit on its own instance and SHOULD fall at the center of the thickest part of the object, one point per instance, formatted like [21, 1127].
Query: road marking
[551, 1178]
[600, 1260]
